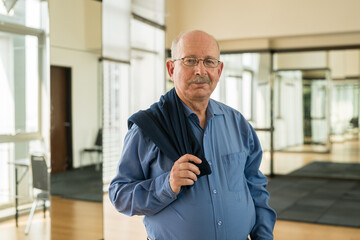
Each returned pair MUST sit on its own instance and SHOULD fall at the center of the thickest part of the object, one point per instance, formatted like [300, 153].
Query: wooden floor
[40, 228]
[286, 162]
[73, 220]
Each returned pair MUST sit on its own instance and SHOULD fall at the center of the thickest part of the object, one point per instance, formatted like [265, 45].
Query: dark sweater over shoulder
[166, 125]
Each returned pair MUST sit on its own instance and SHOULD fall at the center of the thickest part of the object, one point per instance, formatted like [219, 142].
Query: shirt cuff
[166, 193]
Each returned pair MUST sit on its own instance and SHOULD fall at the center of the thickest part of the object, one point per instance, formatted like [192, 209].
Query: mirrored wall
[245, 85]
[133, 78]
[310, 99]
[301, 110]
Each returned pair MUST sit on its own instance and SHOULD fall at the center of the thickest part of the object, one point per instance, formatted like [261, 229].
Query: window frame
[41, 132]
[41, 36]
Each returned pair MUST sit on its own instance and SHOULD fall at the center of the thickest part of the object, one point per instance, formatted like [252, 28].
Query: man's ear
[170, 68]
[220, 68]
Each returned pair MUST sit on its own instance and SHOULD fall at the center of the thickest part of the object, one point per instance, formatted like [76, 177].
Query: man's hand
[183, 172]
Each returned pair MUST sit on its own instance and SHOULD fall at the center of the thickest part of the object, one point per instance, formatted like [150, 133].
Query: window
[147, 64]
[19, 84]
[237, 80]
[22, 70]
[19, 103]
[247, 92]
[116, 113]
[345, 106]
[22, 12]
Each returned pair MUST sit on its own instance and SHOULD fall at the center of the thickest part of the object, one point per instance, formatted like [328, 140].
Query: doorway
[60, 118]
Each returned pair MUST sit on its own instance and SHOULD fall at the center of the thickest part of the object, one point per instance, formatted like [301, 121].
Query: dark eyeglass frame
[197, 60]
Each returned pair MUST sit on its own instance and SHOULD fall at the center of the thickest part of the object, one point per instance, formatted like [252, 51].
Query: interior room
[73, 71]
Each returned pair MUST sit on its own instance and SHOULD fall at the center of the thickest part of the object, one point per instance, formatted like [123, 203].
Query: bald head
[193, 33]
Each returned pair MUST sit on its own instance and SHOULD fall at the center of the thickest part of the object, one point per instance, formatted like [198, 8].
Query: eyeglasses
[192, 61]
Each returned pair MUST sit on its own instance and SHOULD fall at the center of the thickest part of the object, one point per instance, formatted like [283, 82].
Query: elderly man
[191, 164]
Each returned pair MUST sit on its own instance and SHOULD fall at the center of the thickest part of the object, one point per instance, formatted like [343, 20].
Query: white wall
[75, 24]
[344, 63]
[300, 60]
[260, 22]
[75, 42]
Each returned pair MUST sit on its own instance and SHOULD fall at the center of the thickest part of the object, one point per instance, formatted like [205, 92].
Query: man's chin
[202, 91]
[200, 85]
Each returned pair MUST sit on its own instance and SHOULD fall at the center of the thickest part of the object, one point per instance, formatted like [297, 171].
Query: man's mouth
[200, 80]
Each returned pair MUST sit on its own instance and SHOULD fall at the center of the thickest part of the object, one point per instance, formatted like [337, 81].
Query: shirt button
[214, 191]
[219, 223]
[210, 162]
[204, 134]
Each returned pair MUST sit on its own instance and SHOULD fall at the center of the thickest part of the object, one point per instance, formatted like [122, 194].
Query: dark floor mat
[80, 184]
[324, 201]
[330, 170]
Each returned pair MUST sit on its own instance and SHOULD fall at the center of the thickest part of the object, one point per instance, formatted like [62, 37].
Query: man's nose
[200, 69]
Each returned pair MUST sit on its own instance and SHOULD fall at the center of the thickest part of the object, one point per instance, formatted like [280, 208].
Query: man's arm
[131, 191]
[265, 215]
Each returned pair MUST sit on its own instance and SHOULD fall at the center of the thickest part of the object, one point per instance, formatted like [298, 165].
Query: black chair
[96, 149]
[40, 180]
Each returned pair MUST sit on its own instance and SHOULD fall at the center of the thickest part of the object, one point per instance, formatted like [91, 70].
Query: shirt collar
[212, 110]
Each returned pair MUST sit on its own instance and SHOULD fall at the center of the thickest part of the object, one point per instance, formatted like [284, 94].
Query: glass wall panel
[116, 29]
[243, 73]
[19, 103]
[115, 114]
[301, 110]
[262, 113]
[19, 81]
[147, 65]
[345, 109]
[319, 126]
[6, 192]
[247, 83]
[23, 61]
[153, 10]
[233, 91]
[288, 121]
[147, 37]
[9, 154]
[245, 86]
[327, 103]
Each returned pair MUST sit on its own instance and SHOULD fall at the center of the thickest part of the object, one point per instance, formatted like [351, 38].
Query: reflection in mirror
[76, 121]
[316, 110]
[245, 86]
[69, 184]
[315, 101]
[345, 97]
[301, 109]
[140, 44]
[242, 74]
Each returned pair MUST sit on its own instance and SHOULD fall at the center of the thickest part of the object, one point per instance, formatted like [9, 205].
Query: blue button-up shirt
[230, 203]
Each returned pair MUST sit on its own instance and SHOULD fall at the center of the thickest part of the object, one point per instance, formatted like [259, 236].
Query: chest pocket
[234, 164]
